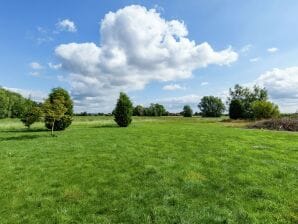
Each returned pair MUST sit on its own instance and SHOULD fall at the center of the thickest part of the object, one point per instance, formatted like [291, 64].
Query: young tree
[66, 120]
[32, 115]
[54, 109]
[123, 111]
[211, 106]
[187, 111]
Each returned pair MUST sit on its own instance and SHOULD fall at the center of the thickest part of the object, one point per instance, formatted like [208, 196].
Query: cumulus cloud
[272, 50]
[137, 46]
[36, 66]
[66, 25]
[282, 85]
[172, 87]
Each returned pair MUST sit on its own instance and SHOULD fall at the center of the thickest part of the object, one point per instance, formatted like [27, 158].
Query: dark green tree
[187, 111]
[211, 106]
[123, 111]
[139, 111]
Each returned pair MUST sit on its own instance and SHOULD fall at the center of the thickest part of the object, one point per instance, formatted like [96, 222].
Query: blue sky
[251, 42]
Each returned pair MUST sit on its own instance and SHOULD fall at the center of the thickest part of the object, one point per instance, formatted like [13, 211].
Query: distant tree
[264, 109]
[66, 120]
[139, 111]
[246, 97]
[4, 102]
[211, 106]
[54, 110]
[187, 111]
[236, 109]
[155, 109]
[32, 115]
[123, 111]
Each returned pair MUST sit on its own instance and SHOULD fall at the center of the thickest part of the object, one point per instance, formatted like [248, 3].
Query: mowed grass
[158, 170]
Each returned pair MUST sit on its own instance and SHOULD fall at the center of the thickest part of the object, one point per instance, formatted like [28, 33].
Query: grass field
[159, 170]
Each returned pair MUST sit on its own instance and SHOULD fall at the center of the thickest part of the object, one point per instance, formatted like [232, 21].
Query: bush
[236, 109]
[31, 116]
[264, 109]
[123, 111]
[280, 124]
[187, 111]
[66, 120]
[211, 106]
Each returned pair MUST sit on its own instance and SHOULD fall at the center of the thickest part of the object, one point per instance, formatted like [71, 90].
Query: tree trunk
[53, 127]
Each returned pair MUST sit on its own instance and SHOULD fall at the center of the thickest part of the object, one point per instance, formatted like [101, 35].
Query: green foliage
[139, 111]
[13, 105]
[187, 111]
[236, 109]
[264, 109]
[54, 110]
[32, 115]
[211, 106]
[123, 110]
[246, 97]
[66, 120]
[155, 109]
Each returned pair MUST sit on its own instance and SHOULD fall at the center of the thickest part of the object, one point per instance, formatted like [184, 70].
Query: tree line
[57, 110]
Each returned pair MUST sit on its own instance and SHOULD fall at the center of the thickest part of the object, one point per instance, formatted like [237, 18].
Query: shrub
[65, 121]
[187, 111]
[264, 109]
[31, 116]
[280, 124]
[211, 106]
[236, 109]
[123, 111]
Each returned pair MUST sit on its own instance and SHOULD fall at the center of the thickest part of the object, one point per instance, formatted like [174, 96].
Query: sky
[169, 52]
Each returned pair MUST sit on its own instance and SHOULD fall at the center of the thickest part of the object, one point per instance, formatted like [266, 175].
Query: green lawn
[159, 170]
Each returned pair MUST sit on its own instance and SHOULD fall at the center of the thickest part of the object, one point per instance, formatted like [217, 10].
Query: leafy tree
[139, 111]
[4, 102]
[247, 96]
[211, 106]
[155, 109]
[32, 115]
[264, 109]
[187, 111]
[123, 110]
[236, 109]
[54, 110]
[66, 120]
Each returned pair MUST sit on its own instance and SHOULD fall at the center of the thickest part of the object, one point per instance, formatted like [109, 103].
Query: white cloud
[204, 83]
[137, 46]
[175, 104]
[66, 25]
[272, 50]
[282, 85]
[38, 96]
[245, 49]
[36, 66]
[255, 59]
[172, 87]
[54, 66]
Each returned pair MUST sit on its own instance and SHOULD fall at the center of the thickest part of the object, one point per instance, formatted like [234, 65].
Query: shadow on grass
[106, 126]
[21, 137]
[25, 130]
